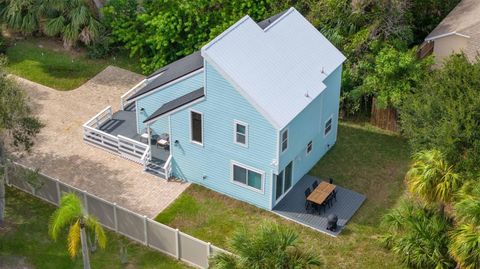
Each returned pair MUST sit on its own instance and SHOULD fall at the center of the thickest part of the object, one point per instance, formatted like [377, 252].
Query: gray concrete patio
[292, 207]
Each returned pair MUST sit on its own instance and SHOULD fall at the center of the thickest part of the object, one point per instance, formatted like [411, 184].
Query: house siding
[210, 165]
[155, 100]
[308, 126]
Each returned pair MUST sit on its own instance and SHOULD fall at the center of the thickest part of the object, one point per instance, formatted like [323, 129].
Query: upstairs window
[284, 141]
[328, 126]
[241, 133]
[196, 125]
[309, 147]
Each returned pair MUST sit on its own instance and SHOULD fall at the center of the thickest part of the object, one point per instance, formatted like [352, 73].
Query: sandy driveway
[61, 153]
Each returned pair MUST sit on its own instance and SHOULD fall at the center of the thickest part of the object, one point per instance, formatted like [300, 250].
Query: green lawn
[364, 159]
[46, 62]
[26, 237]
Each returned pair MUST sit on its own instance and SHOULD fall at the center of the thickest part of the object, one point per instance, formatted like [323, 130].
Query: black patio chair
[330, 180]
[334, 195]
[309, 206]
[315, 184]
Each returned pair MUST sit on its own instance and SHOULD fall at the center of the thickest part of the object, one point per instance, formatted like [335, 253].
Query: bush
[100, 49]
[3, 44]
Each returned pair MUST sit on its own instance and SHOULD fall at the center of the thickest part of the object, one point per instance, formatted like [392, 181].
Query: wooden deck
[124, 123]
[292, 207]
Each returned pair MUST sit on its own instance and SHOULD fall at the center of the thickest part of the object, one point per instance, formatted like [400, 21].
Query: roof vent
[307, 95]
[323, 70]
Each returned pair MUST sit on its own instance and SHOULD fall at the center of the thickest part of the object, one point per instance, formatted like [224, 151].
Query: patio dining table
[321, 193]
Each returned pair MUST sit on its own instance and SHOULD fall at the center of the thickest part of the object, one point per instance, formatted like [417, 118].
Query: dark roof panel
[176, 103]
[265, 23]
[171, 72]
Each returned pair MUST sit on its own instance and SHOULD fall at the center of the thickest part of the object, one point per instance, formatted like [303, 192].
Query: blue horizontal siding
[155, 100]
[210, 165]
[309, 126]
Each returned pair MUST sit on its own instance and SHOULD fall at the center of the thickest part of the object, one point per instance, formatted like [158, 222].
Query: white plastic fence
[155, 235]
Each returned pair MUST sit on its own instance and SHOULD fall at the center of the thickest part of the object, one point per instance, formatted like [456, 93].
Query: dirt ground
[61, 153]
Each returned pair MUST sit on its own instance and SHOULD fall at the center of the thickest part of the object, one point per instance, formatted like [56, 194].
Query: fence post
[7, 177]
[177, 242]
[145, 229]
[209, 251]
[85, 201]
[115, 221]
[59, 194]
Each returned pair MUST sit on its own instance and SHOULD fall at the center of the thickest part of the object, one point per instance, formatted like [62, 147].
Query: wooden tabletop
[321, 193]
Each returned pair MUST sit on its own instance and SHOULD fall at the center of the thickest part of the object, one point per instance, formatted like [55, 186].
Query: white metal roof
[280, 69]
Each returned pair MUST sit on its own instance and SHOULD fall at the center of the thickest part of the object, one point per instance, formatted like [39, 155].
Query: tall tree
[17, 126]
[271, 246]
[432, 178]
[444, 114]
[71, 213]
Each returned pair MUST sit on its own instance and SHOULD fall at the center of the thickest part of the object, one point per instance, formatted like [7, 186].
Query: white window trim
[190, 124]
[235, 122]
[325, 123]
[262, 174]
[281, 140]
[283, 178]
[306, 149]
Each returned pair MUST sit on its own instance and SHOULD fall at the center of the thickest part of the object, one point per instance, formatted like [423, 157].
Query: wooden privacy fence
[155, 235]
[386, 119]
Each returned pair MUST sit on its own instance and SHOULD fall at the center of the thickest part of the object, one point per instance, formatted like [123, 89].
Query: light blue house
[248, 115]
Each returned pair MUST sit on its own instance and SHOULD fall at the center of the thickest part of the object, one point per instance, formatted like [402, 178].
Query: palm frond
[73, 239]
[55, 26]
[224, 261]
[465, 245]
[95, 226]
[69, 211]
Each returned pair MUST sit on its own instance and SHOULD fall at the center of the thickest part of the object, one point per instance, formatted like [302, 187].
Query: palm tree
[271, 247]
[432, 178]
[70, 213]
[20, 15]
[74, 20]
[465, 239]
[418, 236]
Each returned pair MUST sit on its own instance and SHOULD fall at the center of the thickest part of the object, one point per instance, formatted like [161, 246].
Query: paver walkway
[60, 151]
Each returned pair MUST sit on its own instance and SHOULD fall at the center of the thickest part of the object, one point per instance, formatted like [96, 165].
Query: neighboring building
[458, 32]
[247, 116]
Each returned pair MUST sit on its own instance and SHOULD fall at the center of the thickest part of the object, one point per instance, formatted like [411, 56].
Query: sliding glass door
[283, 182]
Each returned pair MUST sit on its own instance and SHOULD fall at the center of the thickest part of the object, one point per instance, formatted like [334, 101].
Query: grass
[48, 63]
[364, 159]
[26, 237]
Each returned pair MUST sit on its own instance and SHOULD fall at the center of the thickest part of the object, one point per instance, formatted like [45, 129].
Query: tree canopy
[444, 114]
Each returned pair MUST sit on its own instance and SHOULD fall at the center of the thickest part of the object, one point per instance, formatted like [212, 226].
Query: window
[309, 147]
[283, 181]
[241, 133]
[328, 126]
[196, 127]
[248, 177]
[284, 140]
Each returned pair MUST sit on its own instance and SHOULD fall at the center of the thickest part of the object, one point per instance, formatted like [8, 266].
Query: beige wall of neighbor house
[448, 45]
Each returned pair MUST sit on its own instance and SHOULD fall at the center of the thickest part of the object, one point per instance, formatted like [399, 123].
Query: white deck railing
[132, 91]
[131, 149]
[99, 119]
[167, 167]
[125, 147]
